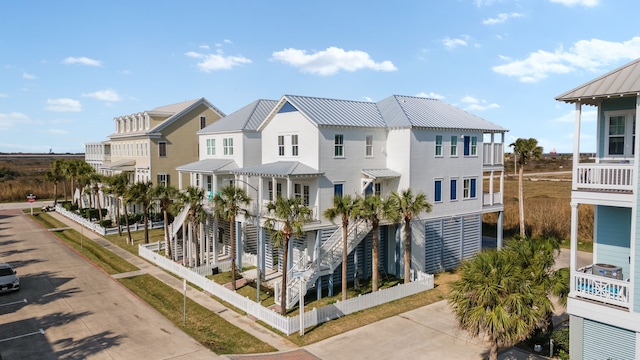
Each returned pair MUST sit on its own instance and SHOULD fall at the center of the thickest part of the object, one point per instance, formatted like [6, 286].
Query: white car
[9, 281]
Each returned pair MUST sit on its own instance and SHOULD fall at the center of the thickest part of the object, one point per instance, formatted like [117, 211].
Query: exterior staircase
[178, 222]
[330, 258]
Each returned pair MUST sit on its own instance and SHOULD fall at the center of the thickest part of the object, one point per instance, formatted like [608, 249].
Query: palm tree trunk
[126, 222]
[283, 293]
[345, 224]
[55, 194]
[167, 236]
[196, 241]
[118, 214]
[407, 250]
[374, 258]
[98, 204]
[232, 240]
[146, 225]
[521, 200]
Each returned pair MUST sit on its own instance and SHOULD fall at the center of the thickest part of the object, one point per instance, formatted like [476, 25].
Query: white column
[576, 144]
[573, 261]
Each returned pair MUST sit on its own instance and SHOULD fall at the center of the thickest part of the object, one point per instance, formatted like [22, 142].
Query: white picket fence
[289, 325]
[95, 227]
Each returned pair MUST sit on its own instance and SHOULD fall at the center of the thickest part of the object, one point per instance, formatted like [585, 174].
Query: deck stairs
[330, 258]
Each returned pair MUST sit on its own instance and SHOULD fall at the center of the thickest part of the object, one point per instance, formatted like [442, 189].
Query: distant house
[315, 148]
[604, 300]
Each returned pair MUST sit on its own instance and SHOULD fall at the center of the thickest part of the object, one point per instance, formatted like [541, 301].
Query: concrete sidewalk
[243, 322]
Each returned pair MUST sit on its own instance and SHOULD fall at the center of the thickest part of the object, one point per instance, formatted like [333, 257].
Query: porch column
[215, 240]
[573, 260]
[289, 187]
[179, 180]
[499, 230]
[491, 184]
[239, 249]
[576, 146]
[202, 243]
[493, 153]
[184, 244]
[316, 258]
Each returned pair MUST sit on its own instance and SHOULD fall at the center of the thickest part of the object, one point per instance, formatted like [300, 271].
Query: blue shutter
[466, 145]
[438, 191]
[454, 189]
[473, 189]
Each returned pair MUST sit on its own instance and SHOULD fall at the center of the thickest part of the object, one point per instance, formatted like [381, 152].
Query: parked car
[48, 208]
[9, 280]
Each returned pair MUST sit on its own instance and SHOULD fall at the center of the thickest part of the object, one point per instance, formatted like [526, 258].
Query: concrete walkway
[243, 322]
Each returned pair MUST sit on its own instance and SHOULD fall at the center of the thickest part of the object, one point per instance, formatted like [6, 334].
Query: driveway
[69, 309]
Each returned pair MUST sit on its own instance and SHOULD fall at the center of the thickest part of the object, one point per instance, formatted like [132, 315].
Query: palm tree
[84, 172]
[118, 185]
[55, 175]
[373, 209]
[287, 218]
[165, 194]
[70, 171]
[228, 204]
[140, 192]
[524, 150]
[494, 298]
[96, 180]
[193, 198]
[345, 207]
[409, 206]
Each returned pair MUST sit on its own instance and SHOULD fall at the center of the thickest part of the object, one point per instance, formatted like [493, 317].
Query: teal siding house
[604, 302]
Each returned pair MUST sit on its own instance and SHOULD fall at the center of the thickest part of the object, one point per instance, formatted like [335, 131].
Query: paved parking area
[74, 310]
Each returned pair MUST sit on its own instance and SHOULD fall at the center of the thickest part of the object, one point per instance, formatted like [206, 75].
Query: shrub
[106, 223]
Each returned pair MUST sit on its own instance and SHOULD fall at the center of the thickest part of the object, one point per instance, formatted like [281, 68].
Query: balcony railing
[489, 199]
[492, 154]
[604, 177]
[600, 288]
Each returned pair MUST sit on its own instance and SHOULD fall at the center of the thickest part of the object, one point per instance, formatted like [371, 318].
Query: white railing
[289, 325]
[489, 199]
[95, 227]
[178, 221]
[604, 176]
[603, 289]
[492, 154]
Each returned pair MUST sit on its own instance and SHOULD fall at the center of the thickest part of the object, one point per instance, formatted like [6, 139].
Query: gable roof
[333, 112]
[410, 111]
[246, 118]
[179, 109]
[622, 81]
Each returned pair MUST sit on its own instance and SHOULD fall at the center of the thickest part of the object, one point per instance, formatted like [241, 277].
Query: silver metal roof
[209, 166]
[410, 111]
[280, 169]
[334, 112]
[622, 81]
[380, 173]
[246, 118]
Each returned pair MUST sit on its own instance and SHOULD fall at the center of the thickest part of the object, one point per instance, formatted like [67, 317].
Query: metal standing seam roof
[335, 112]
[248, 117]
[209, 166]
[380, 173]
[280, 169]
[411, 111]
[624, 80]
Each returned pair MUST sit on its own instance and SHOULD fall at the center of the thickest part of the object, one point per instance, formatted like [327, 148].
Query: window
[294, 145]
[163, 179]
[203, 122]
[271, 191]
[470, 146]
[616, 135]
[211, 146]
[454, 146]
[305, 195]
[280, 145]
[377, 189]
[368, 147]
[227, 146]
[454, 189]
[338, 146]
[297, 191]
[279, 189]
[437, 191]
[162, 149]
[337, 189]
[438, 145]
[469, 188]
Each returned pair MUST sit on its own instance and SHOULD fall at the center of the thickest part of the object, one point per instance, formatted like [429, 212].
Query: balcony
[492, 154]
[604, 177]
[600, 288]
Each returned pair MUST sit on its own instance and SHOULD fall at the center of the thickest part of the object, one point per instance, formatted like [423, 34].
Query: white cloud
[104, 95]
[63, 105]
[586, 3]
[4, 96]
[591, 55]
[204, 47]
[331, 61]
[12, 119]
[501, 18]
[55, 132]
[450, 43]
[28, 76]
[474, 104]
[124, 72]
[430, 95]
[213, 62]
[82, 61]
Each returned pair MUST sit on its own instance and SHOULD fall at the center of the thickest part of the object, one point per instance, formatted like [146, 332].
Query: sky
[67, 68]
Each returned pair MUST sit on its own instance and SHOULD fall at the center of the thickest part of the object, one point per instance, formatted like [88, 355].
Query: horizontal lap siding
[602, 341]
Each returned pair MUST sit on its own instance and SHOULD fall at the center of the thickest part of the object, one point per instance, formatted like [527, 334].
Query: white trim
[628, 133]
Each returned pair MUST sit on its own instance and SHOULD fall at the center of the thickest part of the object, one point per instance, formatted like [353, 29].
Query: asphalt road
[69, 309]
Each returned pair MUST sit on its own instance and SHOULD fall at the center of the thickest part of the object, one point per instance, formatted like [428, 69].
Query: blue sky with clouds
[67, 68]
